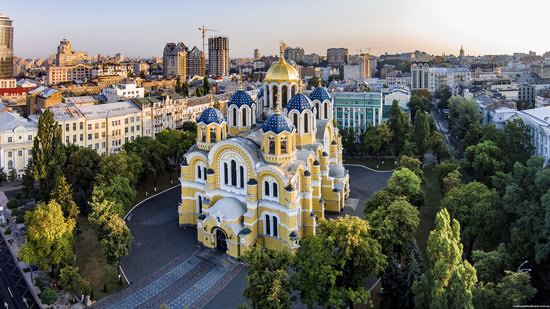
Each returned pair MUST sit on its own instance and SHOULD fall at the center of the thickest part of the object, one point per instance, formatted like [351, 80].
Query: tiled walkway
[190, 282]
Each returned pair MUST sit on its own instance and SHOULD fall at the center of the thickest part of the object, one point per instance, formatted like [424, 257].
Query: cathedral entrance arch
[221, 238]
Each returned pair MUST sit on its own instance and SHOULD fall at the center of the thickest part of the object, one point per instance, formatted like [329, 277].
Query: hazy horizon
[142, 28]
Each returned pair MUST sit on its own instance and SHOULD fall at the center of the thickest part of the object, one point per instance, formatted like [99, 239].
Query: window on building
[266, 188]
[306, 123]
[81, 125]
[275, 190]
[74, 138]
[267, 225]
[20, 153]
[29, 138]
[241, 173]
[225, 174]
[271, 145]
[66, 127]
[90, 136]
[67, 139]
[295, 120]
[96, 126]
[233, 173]
[10, 139]
[89, 126]
[74, 126]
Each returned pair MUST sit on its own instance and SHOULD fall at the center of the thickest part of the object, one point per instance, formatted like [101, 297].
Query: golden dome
[282, 72]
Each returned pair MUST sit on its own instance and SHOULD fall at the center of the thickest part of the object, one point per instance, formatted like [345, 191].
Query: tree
[117, 241]
[394, 285]
[206, 85]
[475, 206]
[399, 126]
[358, 256]
[125, 164]
[404, 182]
[517, 142]
[185, 89]
[142, 74]
[371, 141]
[269, 284]
[449, 281]
[152, 152]
[412, 164]
[118, 189]
[81, 171]
[413, 268]
[490, 266]
[315, 271]
[48, 154]
[452, 180]
[483, 161]
[462, 114]
[28, 180]
[419, 103]
[63, 195]
[178, 85]
[473, 136]
[394, 226]
[444, 168]
[513, 290]
[438, 146]
[314, 82]
[100, 208]
[421, 133]
[49, 237]
[384, 135]
[199, 91]
[48, 296]
[72, 282]
[176, 143]
[3, 176]
[445, 95]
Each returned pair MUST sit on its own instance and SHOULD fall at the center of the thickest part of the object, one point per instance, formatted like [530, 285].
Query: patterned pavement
[184, 283]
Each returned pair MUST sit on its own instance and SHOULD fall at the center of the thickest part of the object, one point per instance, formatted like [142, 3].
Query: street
[14, 292]
[442, 125]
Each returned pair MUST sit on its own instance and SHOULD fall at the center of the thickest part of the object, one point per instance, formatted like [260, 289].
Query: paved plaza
[167, 266]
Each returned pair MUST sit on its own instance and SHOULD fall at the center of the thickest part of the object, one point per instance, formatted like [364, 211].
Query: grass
[92, 263]
[433, 196]
[385, 165]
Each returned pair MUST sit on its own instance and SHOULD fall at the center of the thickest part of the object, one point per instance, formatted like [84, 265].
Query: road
[14, 291]
[443, 127]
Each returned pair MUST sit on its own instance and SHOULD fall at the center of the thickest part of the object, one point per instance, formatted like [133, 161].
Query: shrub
[19, 196]
[8, 231]
[14, 212]
[13, 204]
[38, 282]
[20, 218]
[48, 296]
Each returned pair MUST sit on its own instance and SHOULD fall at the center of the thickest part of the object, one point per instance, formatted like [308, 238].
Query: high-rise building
[256, 54]
[218, 56]
[174, 60]
[195, 63]
[66, 56]
[294, 54]
[337, 56]
[6, 48]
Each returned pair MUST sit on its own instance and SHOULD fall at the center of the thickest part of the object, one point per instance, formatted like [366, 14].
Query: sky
[141, 28]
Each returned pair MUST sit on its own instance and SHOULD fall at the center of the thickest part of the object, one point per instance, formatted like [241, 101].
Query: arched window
[267, 225]
[244, 117]
[293, 90]
[203, 134]
[306, 123]
[274, 94]
[213, 135]
[225, 174]
[283, 144]
[235, 116]
[10, 164]
[326, 110]
[241, 172]
[295, 120]
[266, 96]
[204, 173]
[318, 115]
[275, 190]
[275, 227]
[266, 188]
[233, 173]
[271, 145]
[199, 172]
[253, 114]
[284, 98]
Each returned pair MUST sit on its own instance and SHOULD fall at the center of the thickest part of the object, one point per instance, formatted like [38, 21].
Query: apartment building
[161, 112]
[16, 141]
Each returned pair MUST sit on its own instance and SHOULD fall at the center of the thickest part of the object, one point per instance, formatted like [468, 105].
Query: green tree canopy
[419, 103]
[399, 126]
[125, 164]
[404, 182]
[462, 114]
[412, 164]
[63, 195]
[81, 171]
[49, 237]
[72, 282]
[421, 132]
[269, 284]
[117, 240]
[490, 266]
[483, 161]
[449, 281]
[118, 189]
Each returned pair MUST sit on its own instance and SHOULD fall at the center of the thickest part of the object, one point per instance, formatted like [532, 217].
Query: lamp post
[523, 269]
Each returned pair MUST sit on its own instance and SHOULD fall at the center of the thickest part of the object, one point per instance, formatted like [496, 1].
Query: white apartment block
[16, 141]
[114, 69]
[161, 112]
[435, 79]
[538, 120]
[123, 92]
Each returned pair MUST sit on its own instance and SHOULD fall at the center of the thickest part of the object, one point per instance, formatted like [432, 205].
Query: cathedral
[267, 173]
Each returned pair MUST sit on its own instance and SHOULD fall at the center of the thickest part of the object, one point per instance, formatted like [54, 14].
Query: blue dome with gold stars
[240, 98]
[299, 102]
[277, 123]
[319, 93]
[210, 115]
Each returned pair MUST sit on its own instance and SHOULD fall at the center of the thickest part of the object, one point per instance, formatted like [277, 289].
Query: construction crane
[203, 29]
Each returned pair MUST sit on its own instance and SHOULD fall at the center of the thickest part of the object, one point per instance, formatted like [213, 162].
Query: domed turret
[301, 112]
[211, 128]
[323, 102]
[241, 112]
[277, 136]
[281, 82]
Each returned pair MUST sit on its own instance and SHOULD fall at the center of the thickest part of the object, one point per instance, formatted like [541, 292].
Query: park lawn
[93, 266]
[433, 196]
[387, 165]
